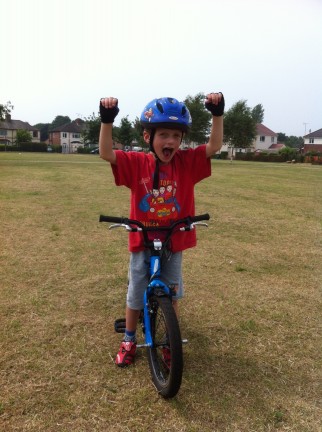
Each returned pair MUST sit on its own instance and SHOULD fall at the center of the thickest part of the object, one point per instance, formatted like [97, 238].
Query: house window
[272, 139]
[64, 134]
[3, 132]
[75, 135]
[311, 140]
[35, 134]
[262, 138]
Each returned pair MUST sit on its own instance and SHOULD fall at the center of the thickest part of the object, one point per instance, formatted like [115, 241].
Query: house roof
[16, 125]
[276, 146]
[264, 131]
[316, 134]
[75, 126]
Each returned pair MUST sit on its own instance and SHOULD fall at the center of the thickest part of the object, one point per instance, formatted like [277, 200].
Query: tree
[91, 131]
[294, 141]
[59, 121]
[44, 130]
[289, 152]
[290, 141]
[137, 133]
[5, 110]
[201, 118]
[258, 113]
[240, 126]
[281, 137]
[125, 133]
[23, 137]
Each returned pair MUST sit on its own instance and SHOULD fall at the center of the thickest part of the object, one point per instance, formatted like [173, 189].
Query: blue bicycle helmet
[166, 112]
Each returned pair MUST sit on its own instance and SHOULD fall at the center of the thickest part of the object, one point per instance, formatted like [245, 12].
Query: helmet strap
[156, 175]
[157, 161]
[152, 133]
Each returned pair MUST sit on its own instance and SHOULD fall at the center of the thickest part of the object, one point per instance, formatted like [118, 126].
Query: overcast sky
[59, 57]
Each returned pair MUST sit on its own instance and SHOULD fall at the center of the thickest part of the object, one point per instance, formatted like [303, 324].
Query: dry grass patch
[252, 311]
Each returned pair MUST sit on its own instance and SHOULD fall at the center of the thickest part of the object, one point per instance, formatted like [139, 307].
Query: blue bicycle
[158, 319]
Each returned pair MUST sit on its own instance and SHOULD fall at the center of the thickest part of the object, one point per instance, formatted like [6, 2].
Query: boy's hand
[215, 103]
[108, 109]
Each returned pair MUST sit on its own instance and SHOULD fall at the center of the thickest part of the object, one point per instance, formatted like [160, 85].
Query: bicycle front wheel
[165, 356]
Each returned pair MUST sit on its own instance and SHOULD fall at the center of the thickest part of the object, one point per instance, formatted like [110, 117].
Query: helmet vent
[160, 107]
[184, 110]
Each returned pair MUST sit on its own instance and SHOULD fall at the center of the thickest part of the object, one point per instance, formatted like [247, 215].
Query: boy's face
[166, 143]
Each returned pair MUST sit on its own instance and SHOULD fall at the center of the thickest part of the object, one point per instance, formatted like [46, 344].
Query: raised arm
[108, 112]
[215, 103]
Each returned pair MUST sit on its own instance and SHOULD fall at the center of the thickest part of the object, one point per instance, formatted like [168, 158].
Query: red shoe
[126, 354]
[166, 354]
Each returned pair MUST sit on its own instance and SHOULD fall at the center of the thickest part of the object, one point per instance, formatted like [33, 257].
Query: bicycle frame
[155, 285]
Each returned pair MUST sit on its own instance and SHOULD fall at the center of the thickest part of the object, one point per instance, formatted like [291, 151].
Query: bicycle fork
[158, 288]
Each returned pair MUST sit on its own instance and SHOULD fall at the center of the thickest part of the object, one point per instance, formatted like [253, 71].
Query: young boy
[162, 190]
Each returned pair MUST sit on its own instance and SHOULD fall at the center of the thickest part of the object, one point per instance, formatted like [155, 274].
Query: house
[265, 138]
[9, 128]
[69, 136]
[313, 142]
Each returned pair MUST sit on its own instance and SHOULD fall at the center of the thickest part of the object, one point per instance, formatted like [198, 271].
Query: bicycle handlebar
[113, 219]
[122, 220]
[187, 222]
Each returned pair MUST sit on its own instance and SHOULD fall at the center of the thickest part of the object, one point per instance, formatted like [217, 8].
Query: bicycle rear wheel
[166, 371]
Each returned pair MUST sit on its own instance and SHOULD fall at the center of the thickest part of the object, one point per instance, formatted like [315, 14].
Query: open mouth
[167, 152]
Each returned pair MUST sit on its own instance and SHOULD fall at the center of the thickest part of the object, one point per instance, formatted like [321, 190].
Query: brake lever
[120, 225]
[192, 226]
[201, 224]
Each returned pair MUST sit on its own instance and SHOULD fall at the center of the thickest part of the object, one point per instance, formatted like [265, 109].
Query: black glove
[108, 114]
[216, 110]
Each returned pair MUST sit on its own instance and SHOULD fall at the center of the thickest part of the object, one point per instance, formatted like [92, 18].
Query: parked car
[95, 151]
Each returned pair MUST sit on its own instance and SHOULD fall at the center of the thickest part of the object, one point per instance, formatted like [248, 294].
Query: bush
[314, 159]
[223, 155]
[33, 147]
[260, 157]
[289, 153]
[57, 148]
[25, 147]
[10, 148]
[83, 150]
[249, 156]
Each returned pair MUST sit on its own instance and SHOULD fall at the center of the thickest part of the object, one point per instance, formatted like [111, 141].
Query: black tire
[165, 332]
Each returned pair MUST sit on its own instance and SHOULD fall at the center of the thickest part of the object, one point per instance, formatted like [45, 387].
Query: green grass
[252, 310]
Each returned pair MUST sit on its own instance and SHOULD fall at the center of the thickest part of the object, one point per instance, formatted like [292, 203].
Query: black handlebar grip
[114, 219]
[200, 217]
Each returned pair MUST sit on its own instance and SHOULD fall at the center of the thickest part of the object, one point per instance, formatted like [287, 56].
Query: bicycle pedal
[119, 325]
[184, 341]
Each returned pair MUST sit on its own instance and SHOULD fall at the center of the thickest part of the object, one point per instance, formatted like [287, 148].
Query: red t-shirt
[173, 200]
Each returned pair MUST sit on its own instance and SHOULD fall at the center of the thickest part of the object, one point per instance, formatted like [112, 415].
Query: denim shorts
[139, 276]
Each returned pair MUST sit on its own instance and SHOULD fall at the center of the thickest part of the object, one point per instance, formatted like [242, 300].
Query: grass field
[252, 310]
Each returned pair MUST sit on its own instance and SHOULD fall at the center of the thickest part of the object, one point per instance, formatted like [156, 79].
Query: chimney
[8, 117]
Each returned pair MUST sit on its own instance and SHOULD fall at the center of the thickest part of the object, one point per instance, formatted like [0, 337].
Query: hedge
[268, 157]
[25, 147]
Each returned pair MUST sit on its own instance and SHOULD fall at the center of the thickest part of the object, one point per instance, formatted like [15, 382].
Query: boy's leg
[172, 275]
[138, 281]
[131, 318]
[127, 351]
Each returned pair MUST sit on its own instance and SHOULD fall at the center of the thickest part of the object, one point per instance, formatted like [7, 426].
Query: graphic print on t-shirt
[160, 205]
